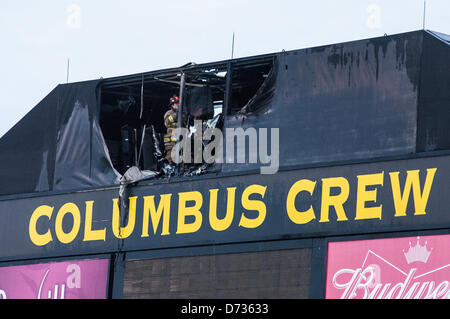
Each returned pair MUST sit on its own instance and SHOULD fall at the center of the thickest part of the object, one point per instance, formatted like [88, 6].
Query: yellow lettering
[194, 211]
[297, 217]
[124, 232]
[36, 238]
[156, 214]
[72, 209]
[89, 234]
[255, 205]
[412, 181]
[363, 196]
[337, 201]
[221, 224]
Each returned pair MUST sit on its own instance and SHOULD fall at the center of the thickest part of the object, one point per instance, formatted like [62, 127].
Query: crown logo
[417, 252]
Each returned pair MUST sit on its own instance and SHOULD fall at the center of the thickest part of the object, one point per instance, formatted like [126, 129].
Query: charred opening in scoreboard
[133, 108]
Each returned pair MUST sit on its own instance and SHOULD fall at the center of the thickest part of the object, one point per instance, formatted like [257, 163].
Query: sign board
[82, 279]
[337, 200]
[397, 268]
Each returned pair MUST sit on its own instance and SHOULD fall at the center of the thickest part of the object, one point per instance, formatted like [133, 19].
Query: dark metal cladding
[57, 146]
[28, 150]
[434, 97]
[347, 101]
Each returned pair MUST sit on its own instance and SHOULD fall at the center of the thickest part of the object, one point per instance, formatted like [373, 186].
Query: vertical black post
[97, 115]
[226, 104]
[142, 97]
[116, 276]
[180, 113]
[145, 125]
[318, 269]
[228, 89]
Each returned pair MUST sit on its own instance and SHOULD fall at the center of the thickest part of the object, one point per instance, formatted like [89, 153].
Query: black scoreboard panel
[278, 274]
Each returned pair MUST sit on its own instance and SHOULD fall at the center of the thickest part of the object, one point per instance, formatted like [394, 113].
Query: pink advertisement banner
[397, 268]
[84, 279]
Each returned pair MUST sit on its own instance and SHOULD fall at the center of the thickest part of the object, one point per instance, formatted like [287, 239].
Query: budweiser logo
[385, 277]
[417, 253]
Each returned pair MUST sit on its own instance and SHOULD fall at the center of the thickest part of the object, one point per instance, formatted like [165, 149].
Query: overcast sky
[105, 38]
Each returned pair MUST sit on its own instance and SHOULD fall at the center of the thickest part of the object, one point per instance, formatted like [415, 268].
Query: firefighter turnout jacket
[171, 123]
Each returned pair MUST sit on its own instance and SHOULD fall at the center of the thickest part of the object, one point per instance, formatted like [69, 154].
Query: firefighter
[171, 123]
